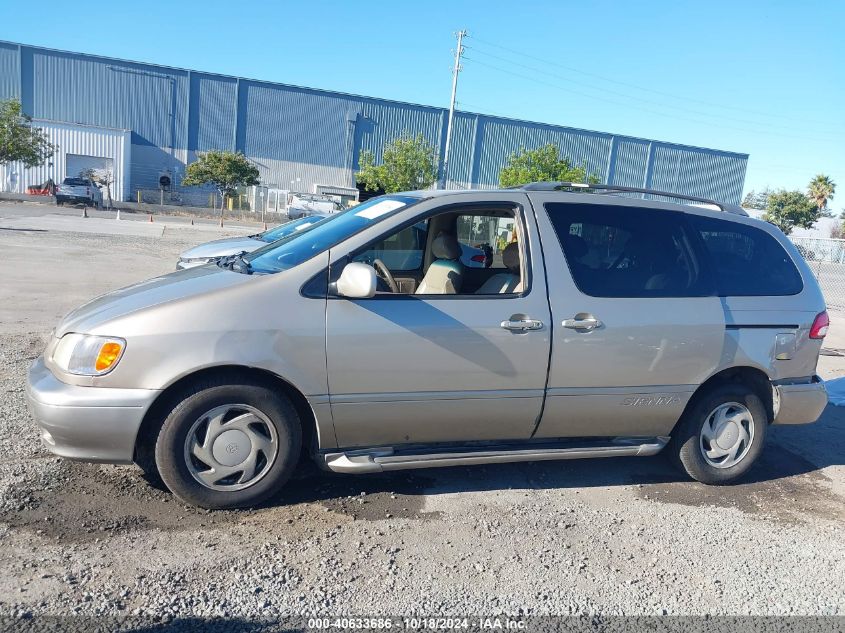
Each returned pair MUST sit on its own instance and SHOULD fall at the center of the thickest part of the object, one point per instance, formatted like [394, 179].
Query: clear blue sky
[766, 78]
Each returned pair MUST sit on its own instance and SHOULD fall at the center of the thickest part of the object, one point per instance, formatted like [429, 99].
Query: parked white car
[216, 249]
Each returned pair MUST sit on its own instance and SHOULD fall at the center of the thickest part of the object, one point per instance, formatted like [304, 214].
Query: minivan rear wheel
[721, 434]
[228, 446]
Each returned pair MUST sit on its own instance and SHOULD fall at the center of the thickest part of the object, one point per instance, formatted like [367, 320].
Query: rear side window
[616, 251]
[745, 260]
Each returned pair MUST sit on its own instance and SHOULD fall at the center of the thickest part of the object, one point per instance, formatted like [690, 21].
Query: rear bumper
[799, 403]
[87, 423]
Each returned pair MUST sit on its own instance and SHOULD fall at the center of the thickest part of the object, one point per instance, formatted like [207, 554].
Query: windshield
[294, 249]
[289, 228]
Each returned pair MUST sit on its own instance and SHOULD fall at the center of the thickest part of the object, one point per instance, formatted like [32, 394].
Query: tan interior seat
[505, 283]
[445, 275]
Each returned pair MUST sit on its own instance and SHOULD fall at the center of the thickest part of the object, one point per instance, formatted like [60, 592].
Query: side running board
[385, 459]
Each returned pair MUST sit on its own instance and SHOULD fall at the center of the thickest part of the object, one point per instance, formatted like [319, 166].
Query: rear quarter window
[746, 261]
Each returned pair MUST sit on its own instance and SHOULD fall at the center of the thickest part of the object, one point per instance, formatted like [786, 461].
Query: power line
[624, 95]
[628, 105]
[639, 87]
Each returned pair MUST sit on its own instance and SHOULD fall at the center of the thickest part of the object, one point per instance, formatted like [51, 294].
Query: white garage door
[79, 164]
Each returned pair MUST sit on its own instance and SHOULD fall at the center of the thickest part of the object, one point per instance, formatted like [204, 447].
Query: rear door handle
[522, 325]
[583, 322]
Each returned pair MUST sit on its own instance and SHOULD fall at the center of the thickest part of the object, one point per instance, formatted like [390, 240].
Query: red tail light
[820, 325]
[478, 258]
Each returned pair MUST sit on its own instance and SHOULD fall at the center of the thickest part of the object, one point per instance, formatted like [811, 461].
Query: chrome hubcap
[231, 447]
[727, 435]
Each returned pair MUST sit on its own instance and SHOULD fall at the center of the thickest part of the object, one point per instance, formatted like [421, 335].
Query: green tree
[542, 164]
[223, 169]
[408, 163]
[19, 139]
[755, 200]
[820, 191]
[788, 209]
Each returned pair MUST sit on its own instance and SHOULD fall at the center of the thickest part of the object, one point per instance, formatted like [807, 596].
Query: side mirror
[357, 281]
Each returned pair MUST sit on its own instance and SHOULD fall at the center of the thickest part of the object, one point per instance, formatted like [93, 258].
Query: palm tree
[821, 190]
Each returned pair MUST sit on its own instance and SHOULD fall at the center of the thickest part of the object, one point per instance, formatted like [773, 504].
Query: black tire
[203, 397]
[685, 446]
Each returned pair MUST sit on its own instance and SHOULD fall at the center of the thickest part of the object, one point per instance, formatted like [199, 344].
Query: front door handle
[584, 322]
[522, 325]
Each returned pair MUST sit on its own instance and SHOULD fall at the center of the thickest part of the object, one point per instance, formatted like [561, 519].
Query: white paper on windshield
[379, 209]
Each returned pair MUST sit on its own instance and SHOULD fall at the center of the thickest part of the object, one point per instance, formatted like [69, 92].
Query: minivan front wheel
[721, 435]
[228, 446]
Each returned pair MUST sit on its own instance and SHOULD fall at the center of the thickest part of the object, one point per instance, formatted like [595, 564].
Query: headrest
[576, 246]
[510, 257]
[445, 246]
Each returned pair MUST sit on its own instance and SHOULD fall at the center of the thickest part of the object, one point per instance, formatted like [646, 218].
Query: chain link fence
[826, 257]
[192, 198]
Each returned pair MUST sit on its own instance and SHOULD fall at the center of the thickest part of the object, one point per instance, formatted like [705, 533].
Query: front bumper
[95, 424]
[799, 403]
[64, 197]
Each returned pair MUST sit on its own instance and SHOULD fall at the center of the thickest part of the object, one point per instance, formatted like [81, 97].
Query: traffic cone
[192, 221]
[151, 217]
[265, 226]
[84, 211]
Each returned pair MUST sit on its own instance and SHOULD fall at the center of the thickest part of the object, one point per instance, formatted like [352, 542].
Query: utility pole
[458, 52]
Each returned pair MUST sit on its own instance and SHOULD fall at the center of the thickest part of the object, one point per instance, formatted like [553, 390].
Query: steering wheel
[384, 272]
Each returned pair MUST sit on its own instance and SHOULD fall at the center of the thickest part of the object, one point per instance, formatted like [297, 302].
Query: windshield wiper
[240, 265]
[236, 263]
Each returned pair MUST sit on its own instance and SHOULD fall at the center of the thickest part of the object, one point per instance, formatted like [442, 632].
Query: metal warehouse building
[144, 121]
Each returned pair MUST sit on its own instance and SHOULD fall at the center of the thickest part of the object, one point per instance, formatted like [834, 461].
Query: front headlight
[198, 260]
[87, 355]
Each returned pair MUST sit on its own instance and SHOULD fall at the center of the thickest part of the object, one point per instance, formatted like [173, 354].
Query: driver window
[403, 251]
[473, 252]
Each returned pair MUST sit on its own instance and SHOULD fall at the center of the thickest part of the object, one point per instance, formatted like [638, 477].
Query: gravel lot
[625, 536]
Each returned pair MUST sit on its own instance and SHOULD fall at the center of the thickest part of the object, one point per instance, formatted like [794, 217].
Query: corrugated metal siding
[317, 136]
[292, 133]
[10, 86]
[87, 141]
[462, 160]
[382, 121]
[698, 173]
[284, 124]
[79, 89]
[216, 112]
[503, 137]
[630, 163]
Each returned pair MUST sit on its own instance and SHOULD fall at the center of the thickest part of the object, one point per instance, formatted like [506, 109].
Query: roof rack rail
[575, 186]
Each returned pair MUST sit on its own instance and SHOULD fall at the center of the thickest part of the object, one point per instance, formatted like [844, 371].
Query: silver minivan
[605, 325]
